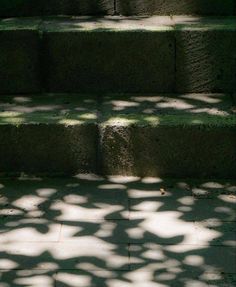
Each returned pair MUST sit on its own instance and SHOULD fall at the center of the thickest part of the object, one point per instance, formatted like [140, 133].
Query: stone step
[174, 7]
[18, 8]
[118, 54]
[184, 135]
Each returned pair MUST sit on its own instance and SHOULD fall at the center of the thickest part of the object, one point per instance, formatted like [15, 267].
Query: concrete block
[27, 8]
[48, 134]
[173, 7]
[205, 55]
[19, 57]
[81, 7]
[111, 55]
[140, 138]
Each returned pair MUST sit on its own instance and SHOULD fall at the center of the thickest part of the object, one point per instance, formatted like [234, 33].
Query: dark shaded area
[173, 7]
[19, 61]
[29, 8]
[108, 59]
[202, 63]
[19, 8]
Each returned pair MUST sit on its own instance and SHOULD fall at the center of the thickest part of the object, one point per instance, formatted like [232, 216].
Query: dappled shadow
[90, 231]
[92, 125]
[165, 135]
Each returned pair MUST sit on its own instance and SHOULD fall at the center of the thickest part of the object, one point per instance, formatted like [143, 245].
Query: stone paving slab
[189, 206]
[213, 189]
[215, 232]
[68, 200]
[157, 243]
[139, 278]
[31, 278]
[155, 257]
[29, 230]
[84, 254]
[148, 229]
[110, 278]
[113, 231]
[227, 280]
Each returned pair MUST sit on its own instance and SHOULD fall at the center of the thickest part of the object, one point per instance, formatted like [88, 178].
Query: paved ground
[119, 232]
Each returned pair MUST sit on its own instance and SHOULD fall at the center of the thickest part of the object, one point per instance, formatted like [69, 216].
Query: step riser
[110, 62]
[135, 150]
[174, 7]
[48, 149]
[164, 151]
[16, 8]
[173, 61]
[206, 61]
[19, 61]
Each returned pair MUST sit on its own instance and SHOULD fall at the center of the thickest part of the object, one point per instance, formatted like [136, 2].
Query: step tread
[190, 109]
[20, 24]
[112, 23]
[50, 108]
[118, 23]
[212, 109]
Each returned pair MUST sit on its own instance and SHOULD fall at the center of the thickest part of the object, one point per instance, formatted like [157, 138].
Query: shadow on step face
[173, 7]
[120, 231]
[27, 8]
[169, 135]
[178, 135]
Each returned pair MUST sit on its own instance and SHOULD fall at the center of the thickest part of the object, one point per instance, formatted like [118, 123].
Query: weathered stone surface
[156, 241]
[234, 101]
[79, 7]
[169, 151]
[111, 55]
[19, 8]
[29, 230]
[173, 7]
[48, 136]
[195, 142]
[155, 135]
[185, 256]
[216, 233]
[33, 278]
[48, 148]
[205, 55]
[65, 255]
[140, 277]
[19, 56]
